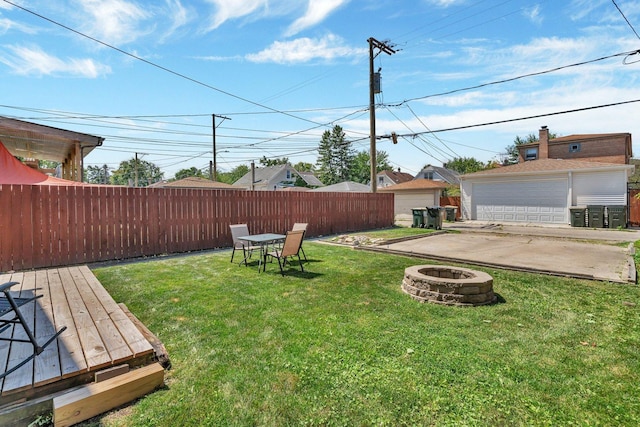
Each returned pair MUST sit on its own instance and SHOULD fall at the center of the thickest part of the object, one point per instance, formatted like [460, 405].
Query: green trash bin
[434, 218]
[451, 213]
[578, 216]
[617, 216]
[418, 217]
[595, 216]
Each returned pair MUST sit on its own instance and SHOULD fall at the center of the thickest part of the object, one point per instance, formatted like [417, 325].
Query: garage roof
[543, 166]
[416, 184]
[34, 141]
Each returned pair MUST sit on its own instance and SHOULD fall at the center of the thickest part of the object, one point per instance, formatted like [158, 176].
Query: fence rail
[49, 226]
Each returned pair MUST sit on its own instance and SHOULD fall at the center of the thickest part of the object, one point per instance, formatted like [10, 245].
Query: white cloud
[446, 3]
[533, 14]
[232, 9]
[306, 49]
[33, 61]
[113, 21]
[179, 16]
[317, 11]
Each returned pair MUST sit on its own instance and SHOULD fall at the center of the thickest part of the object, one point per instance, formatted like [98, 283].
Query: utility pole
[135, 184]
[383, 47]
[214, 175]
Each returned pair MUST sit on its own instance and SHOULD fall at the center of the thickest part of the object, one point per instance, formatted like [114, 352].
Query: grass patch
[341, 345]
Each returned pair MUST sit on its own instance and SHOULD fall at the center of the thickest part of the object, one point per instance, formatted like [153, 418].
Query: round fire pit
[448, 285]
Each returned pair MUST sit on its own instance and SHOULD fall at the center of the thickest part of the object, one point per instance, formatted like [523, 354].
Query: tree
[512, 150]
[192, 171]
[235, 174]
[304, 167]
[335, 157]
[464, 165]
[147, 173]
[96, 174]
[273, 162]
[361, 171]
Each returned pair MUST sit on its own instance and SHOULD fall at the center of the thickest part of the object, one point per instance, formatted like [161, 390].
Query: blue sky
[148, 75]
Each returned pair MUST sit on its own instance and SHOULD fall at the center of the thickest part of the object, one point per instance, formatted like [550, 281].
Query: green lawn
[341, 345]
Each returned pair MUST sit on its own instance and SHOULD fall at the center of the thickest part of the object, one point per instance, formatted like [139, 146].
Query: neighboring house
[193, 182]
[417, 193]
[346, 186]
[437, 173]
[269, 178]
[310, 179]
[387, 178]
[604, 148]
[552, 176]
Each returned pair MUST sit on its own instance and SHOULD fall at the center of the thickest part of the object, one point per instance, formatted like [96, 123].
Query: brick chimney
[543, 147]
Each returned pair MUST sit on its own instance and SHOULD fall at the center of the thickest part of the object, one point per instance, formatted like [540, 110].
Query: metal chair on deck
[8, 304]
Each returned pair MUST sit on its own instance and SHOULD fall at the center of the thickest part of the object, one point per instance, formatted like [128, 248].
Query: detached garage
[542, 191]
[418, 193]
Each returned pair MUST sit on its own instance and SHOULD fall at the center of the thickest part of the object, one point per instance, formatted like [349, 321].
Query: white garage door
[405, 202]
[543, 201]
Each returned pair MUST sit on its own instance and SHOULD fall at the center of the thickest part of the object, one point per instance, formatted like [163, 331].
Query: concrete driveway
[596, 254]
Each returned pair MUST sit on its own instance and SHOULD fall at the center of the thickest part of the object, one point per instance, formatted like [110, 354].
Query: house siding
[605, 150]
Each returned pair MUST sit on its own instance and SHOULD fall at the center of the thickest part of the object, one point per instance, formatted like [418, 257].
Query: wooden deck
[99, 334]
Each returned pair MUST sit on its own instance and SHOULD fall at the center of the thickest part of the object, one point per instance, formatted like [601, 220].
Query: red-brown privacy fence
[45, 226]
[634, 208]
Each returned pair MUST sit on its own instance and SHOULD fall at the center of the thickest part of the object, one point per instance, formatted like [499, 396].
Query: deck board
[72, 358]
[22, 378]
[135, 339]
[47, 364]
[98, 335]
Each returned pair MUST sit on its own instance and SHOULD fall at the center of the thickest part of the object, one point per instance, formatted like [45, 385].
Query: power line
[625, 18]
[528, 117]
[538, 73]
[160, 67]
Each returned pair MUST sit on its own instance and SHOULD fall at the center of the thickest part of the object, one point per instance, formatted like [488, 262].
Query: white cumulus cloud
[33, 61]
[113, 21]
[305, 50]
[317, 11]
[232, 9]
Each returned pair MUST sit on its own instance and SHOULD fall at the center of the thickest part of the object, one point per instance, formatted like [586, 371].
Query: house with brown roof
[604, 148]
[543, 189]
[417, 193]
[389, 177]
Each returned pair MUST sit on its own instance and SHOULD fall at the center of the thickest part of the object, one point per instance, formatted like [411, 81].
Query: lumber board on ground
[93, 399]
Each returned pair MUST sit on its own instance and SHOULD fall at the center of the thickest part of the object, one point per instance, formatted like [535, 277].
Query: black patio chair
[9, 304]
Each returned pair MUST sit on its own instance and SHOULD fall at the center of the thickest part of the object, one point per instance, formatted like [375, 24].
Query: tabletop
[262, 238]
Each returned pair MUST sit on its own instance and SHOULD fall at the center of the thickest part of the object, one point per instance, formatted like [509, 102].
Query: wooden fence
[634, 208]
[452, 201]
[48, 226]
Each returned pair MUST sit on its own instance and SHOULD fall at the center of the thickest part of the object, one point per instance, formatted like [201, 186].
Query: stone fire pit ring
[441, 284]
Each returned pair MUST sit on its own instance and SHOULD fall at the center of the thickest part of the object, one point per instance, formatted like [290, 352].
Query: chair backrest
[292, 243]
[300, 226]
[238, 230]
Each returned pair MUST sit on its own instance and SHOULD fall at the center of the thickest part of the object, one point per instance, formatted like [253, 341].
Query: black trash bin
[434, 218]
[578, 216]
[418, 217]
[595, 216]
[617, 216]
[451, 213]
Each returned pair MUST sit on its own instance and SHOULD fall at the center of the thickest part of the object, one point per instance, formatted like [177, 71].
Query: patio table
[262, 240]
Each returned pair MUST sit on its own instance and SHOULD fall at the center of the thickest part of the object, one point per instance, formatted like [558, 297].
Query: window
[574, 148]
[288, 174]
[530, 154]
[428, 175]
[380, 180]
